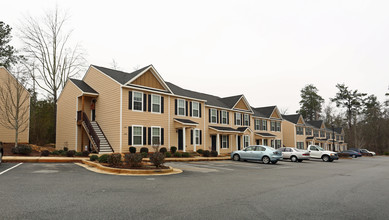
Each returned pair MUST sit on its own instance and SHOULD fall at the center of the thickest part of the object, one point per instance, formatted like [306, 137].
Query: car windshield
[271, 148]
[298, 150]
[320, 148]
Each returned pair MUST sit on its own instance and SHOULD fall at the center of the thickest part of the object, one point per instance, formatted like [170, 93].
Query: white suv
[319, 153]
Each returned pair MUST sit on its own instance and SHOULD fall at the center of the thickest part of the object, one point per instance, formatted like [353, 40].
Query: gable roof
[315, 124]
[292, 118]
[231, 101]
[264, 112]
[83, 86]
[120, 76]
[338, 130]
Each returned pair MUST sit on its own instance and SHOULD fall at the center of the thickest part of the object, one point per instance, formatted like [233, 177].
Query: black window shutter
[228, 118]
[200, 110]
[129, 100]
[191, 137]
[201, 138]
[162, 105]
[234, 118]
[209, 115]
[144, 102]
[221, 116]
[217, 116]
[249, 121]
[228, 141]
[241, 119]
[149, 140]
[144, 135]
[190, 109]
[162, 137]
[149, 103]
[129, 135]
[186, 107]
[175, 105]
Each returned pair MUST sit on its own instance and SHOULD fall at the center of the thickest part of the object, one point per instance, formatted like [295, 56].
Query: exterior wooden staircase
[95, 134]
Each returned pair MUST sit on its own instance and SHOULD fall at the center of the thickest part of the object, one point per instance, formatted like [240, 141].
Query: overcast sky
[266, 50]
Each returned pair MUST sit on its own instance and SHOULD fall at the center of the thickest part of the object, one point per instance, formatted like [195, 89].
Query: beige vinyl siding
[241, 105]
[289, 134]
[67, 117]
[148, 79]
[107, 105]
[8, 135]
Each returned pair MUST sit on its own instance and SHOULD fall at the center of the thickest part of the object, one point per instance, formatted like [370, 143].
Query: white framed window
[272, 126]
[246, 120]
[224, 117]
[278, 126]
[197, 136]
[155, 136]
[277, 144]
[308, 131]
[299, 130]
[181, 107]
[246, 140]
[272, 143]
[224, 141]
[257, 124]
[213, 116]
[137, 135]
[195, 109]
[264, 125]
[238, 119]
[137, 101]
[300, 145]
[156, 103]
[265, 142]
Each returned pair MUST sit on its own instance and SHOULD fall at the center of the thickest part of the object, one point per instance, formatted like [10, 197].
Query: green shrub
[185, 154]
[168, 154]
[22, 149]
[132, 150]
[133, 160]
[85, 153]
[144, 150]
[55, 152]
[60, 152]
[157, 159]
[93, 157]
[206, 153]
[70, 153]
[163, 150]
[214, 153]
[45, 153]
[200, 151]
[177, 154]
[103, 158]
[386, 153]
[173, 150]
[65, 149]
[115, 159]
[64, 153]
[144, 154]
[78, 154]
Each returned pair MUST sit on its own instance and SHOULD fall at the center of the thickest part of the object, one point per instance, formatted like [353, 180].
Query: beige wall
[289, 134]
[67, 117]
[8, 135]
[107, 105]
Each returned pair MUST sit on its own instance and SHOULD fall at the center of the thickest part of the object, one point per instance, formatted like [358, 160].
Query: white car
[317, 152]
[294, 154]
[367, 151]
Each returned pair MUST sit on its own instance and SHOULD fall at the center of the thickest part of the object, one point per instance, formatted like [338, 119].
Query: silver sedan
[258, 152]
[294, 154]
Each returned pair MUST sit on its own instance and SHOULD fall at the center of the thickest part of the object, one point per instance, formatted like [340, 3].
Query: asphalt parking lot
[344, 189]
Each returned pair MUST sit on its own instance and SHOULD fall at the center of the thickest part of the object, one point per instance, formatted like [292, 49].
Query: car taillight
[306, 154]
[276, 152]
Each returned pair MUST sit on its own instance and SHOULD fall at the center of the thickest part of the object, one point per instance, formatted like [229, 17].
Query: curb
[42, 159]
[130, 172]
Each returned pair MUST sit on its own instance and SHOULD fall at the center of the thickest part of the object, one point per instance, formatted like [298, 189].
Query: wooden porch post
[82, 119]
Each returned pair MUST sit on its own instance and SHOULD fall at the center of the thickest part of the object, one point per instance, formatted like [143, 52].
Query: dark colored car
[1, 152]
[356, 150]
[351, 153]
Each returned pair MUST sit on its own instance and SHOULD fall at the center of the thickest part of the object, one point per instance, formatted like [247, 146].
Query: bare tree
[46, 43]
[115, 65]
[14, 102]
[284, 111]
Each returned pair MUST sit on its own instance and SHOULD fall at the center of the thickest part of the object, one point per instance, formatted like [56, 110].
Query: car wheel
[236, 157]
[325, 158]
[265, 160]
[293, 159]
[354, 156]
[300, 160]
[274, 162]
[330, 160]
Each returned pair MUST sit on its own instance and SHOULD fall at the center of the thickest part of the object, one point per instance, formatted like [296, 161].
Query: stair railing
[91, 131]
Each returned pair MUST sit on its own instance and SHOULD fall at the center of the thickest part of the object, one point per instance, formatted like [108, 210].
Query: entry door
[180, 140]
[213, 137]
[239, 141]
[93, 113]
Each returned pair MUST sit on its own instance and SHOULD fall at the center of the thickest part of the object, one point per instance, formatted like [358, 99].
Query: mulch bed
[8, 151]
[143, 167]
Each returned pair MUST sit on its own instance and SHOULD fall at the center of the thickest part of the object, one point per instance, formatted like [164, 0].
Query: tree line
[364, 119]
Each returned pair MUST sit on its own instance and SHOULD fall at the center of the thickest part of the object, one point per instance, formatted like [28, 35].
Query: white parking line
[11, 168]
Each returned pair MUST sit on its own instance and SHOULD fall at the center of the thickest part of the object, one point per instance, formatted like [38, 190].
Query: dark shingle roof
[264, 111]
[315, 124]
[120, 76]
[83, 86]
[292, 118]
[219, 128]
[185, 121]
[227, 102]
[242, 129]
[265, 134]
[338, 130]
